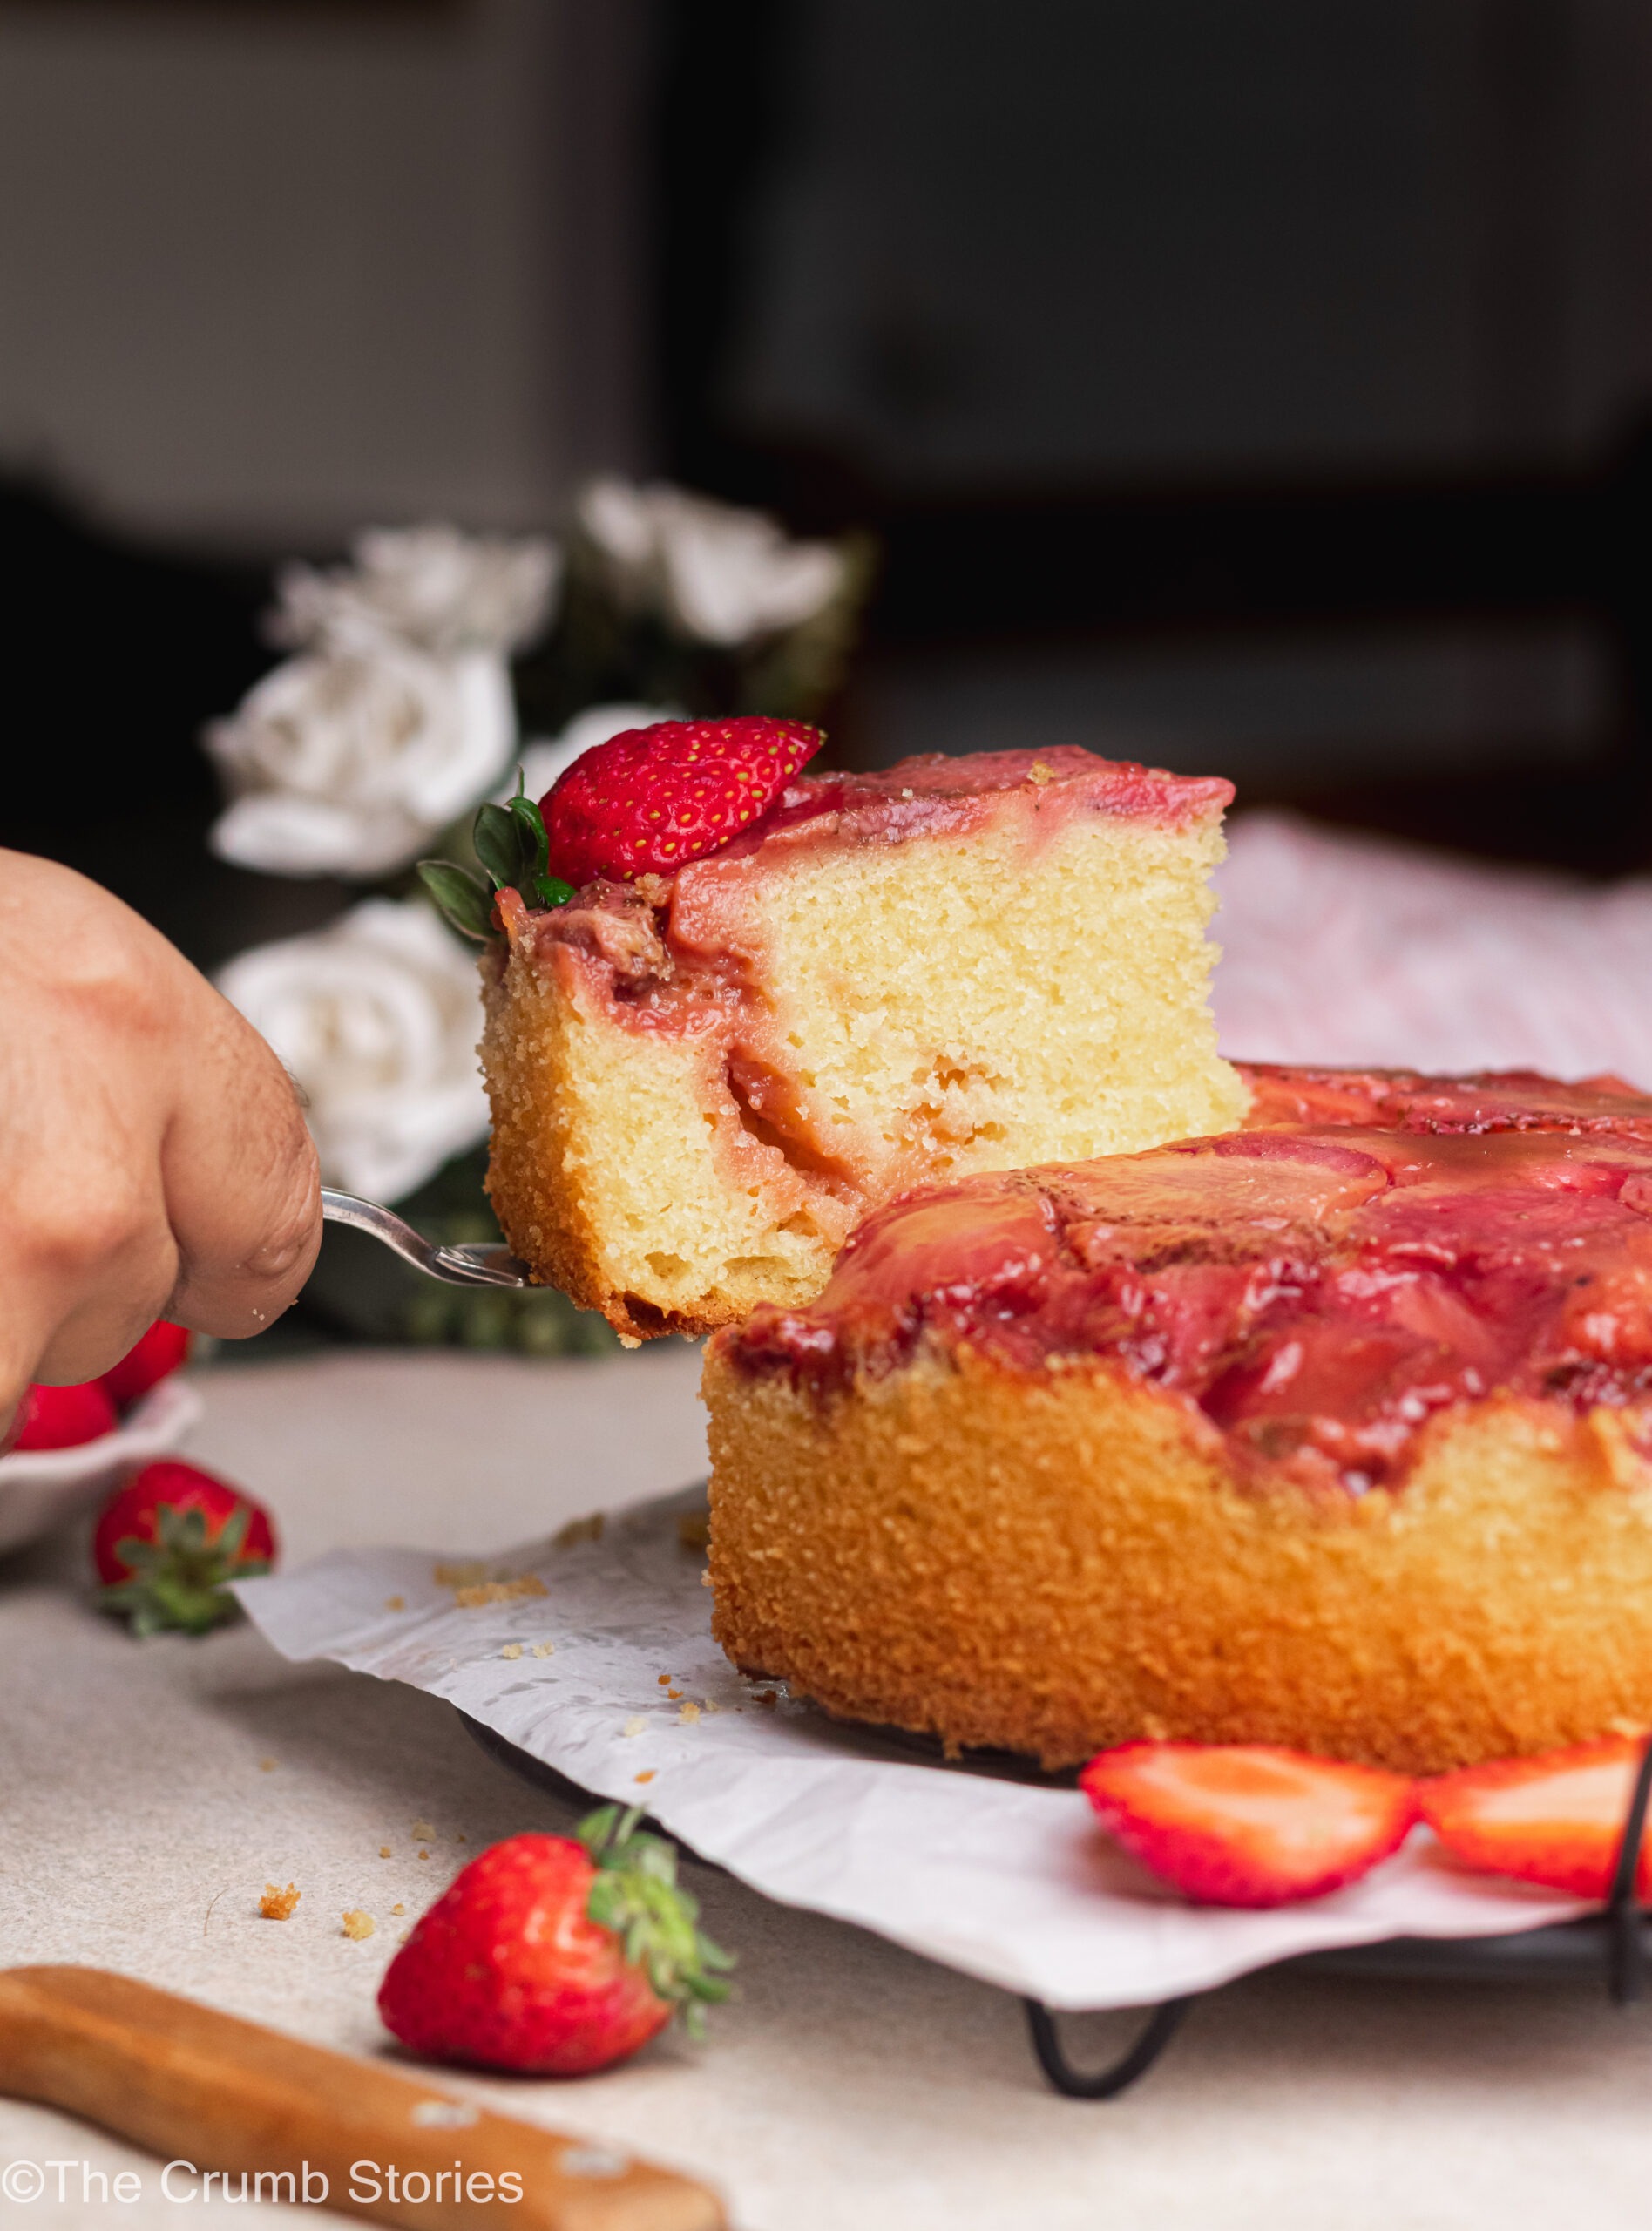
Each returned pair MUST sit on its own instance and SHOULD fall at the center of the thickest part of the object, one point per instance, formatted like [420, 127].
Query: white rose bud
[377, 1017]
[350, 763]
[716, 572]
[428, 585]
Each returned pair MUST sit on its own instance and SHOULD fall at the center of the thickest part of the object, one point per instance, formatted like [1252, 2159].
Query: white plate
[38, 1487]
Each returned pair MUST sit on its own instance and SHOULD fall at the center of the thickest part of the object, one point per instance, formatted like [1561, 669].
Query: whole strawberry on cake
[1332, 1432]
[732, 1007]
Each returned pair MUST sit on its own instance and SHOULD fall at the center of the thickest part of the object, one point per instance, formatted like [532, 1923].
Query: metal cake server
[481, 1263]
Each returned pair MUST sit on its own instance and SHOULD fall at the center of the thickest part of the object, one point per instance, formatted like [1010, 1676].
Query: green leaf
[463, 899]
[634, 1896]
[498, 838]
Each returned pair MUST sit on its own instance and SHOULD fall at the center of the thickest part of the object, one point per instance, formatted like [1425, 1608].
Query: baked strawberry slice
[650, 799]
[169, 1540]
[554, 1956]
[1247, 1824]
[1557, 1820]
[163, 1348]
[64, 1417]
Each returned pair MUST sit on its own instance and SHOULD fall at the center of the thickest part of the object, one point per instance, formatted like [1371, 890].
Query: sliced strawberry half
[651, 799]
[1557, 1820]
[1247, 1824]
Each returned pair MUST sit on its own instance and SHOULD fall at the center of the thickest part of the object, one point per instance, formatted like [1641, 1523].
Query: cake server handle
[482, 1263]
[216, 2096]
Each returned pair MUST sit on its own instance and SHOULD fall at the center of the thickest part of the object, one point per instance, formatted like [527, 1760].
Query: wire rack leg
[1106, 2083]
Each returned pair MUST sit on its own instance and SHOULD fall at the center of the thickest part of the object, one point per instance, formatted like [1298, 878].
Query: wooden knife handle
[195, 2085]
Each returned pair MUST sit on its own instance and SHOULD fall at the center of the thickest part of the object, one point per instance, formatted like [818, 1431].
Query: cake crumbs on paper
[464, 1574]
[545, 1650]
[357, 1924]
[664, 1680]
[511, 1649]
[277, 1905]
[477, 1592]
[267, 1766]
[647, 1774]
[423, 1833]
[694, 1530]
[421, 1855]
[578, 1529]
[705, 1577]
[634, 1726]
[403, 1935]
[384, 1851]
[673, 1694]
[398, 1908]
[689, 1712]
[395, 1603]
[711, 1705]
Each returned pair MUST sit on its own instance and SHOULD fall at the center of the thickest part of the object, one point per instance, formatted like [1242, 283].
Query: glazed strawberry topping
[1316, 1295]
[650, 799]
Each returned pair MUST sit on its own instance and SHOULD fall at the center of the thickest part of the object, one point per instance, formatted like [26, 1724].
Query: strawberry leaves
[636, 1897]
[175, 1582]
[511, 843]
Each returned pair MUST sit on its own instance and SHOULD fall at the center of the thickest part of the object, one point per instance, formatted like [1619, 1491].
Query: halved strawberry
[1556, 1820]
[650, 799]
[1247, 1824]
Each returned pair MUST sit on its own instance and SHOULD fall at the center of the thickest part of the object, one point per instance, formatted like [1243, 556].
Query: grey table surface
[147, 1792]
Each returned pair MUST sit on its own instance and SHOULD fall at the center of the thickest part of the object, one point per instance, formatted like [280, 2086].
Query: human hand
[153, 1159]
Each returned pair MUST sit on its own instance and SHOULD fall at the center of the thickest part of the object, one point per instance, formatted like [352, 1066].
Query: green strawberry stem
[512, 847]
[176, 1582]
[636, 1895]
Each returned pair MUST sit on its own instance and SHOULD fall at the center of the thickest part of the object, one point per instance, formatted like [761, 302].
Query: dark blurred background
[1255, 386]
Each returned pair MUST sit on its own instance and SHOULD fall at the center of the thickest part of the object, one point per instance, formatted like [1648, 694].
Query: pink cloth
[1344, 950]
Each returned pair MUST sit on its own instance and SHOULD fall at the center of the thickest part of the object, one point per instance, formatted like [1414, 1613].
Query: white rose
[350, 763]
[377, 1017]
[430, 587]
[716, 572]
[546, 758]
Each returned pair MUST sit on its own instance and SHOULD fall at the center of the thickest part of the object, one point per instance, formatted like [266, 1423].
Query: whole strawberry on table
[167, 1542]
[556, 1956]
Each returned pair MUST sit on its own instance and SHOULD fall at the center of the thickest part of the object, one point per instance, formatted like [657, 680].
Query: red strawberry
[163, 1347]
[554, 1956]
[1556, 1820]
[62, 1417]
[1246, 1824]
[168, 1541]
[649, 799]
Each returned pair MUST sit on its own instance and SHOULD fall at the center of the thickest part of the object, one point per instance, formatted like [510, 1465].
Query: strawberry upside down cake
[758, 1003]
[1334, 1430]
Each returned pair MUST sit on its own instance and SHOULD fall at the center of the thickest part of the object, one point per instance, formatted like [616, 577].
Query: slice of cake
[703, 1080]
[1334, 1433]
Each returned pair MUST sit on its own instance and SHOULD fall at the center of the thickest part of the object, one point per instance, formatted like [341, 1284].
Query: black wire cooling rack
[1611, 1945]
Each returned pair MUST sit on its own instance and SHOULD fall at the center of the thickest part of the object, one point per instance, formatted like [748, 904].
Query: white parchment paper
[1011, 1882]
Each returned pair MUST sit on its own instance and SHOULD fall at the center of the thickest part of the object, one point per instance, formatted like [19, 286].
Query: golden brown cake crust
[1053, 1565]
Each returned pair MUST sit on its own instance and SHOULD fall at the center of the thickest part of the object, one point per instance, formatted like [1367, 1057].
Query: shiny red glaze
[505, 1970]
[1318, 1294]
[163, 1348]
[64, 1417]
[134, 1512]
